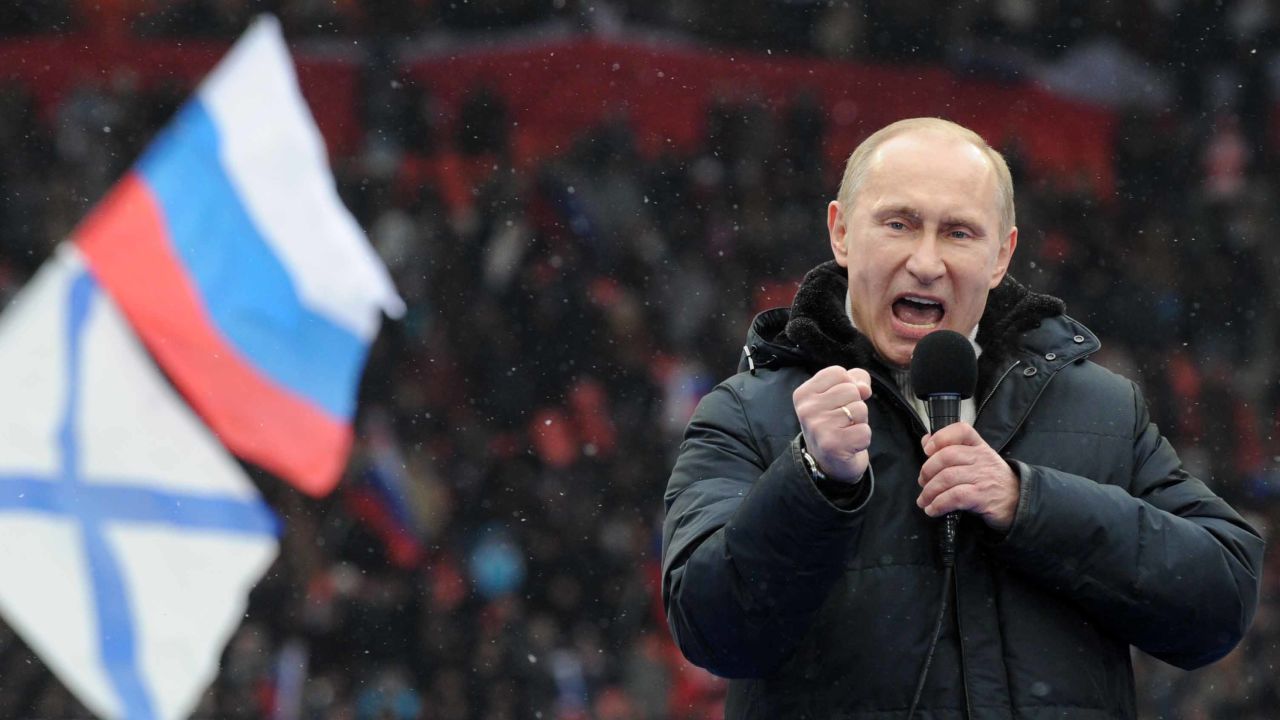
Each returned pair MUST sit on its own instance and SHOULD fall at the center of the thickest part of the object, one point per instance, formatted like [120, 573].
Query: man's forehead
[927, 144]
[922, 168]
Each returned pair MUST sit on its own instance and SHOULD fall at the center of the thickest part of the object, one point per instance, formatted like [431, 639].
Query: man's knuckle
[861, 435]
[830, 373]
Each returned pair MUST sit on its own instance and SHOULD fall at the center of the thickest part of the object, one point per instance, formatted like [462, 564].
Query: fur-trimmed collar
[819, 326]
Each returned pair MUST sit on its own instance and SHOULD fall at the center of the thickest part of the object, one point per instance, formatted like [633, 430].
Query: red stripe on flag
[126, 245]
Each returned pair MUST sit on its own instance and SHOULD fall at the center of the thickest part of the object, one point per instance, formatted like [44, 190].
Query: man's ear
[1002, 259]
[836, 230]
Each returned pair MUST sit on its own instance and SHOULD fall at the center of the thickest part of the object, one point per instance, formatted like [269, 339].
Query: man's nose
[925, 264]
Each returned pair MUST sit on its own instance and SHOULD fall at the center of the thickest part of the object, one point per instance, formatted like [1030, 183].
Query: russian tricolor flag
[231, 255]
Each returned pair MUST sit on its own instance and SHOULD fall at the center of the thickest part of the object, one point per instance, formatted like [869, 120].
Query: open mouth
[918, 311]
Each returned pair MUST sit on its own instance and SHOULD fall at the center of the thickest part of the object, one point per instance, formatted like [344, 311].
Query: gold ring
[847, 414]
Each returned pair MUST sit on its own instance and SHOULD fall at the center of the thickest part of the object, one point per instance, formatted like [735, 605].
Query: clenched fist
[832, 408]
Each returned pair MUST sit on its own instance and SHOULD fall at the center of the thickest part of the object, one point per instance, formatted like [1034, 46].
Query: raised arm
[750, 548]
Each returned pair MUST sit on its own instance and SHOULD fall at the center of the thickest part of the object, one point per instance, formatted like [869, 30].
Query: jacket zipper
[955, 576]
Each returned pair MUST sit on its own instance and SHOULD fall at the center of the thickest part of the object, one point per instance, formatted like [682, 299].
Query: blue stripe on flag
[110, 502]
[83, 287]
[244, 286]
[114, 616]
[115, 625]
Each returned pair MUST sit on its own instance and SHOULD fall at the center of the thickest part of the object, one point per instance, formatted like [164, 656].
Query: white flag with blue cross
[131, 538]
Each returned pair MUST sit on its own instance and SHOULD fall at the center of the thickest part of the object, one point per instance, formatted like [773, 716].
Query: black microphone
[944, 371]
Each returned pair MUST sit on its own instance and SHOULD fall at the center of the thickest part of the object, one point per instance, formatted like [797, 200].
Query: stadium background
[583, 204]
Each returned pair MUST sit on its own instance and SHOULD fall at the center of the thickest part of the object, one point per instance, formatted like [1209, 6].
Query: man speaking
[800, 547]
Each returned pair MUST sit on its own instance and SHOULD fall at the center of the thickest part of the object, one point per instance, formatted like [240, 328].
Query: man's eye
[960, 234]
[897, 225]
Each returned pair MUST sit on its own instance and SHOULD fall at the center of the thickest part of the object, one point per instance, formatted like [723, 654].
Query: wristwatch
[811, 465]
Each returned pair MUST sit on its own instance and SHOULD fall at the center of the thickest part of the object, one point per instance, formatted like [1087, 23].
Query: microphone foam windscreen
[944, 364]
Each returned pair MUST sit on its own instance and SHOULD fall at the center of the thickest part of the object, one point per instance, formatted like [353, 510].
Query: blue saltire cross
[107, 500]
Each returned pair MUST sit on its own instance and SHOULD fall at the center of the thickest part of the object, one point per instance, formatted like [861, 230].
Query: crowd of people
[563, 319]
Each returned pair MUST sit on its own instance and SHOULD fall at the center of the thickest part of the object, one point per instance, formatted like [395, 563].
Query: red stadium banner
[554, 90]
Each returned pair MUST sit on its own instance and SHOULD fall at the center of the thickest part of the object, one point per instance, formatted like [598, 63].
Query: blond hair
[855, 171]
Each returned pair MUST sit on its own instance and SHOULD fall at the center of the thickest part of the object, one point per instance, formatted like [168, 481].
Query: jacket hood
[816, 331]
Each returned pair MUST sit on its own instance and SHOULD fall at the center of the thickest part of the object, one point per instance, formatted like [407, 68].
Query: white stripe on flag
[274, 155]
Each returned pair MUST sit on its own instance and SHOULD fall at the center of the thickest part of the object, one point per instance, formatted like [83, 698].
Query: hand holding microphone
[832, 409]
[963, 472]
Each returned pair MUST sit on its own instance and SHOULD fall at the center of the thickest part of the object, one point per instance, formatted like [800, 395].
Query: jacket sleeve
[749, 550]
[1167, 566]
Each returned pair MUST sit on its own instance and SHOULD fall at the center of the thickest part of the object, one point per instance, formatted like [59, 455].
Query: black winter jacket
[819, 612]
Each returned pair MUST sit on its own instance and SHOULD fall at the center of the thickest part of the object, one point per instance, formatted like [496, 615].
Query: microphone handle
[944, 410]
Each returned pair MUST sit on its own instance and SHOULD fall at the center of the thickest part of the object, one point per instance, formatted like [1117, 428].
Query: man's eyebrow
[903, 210]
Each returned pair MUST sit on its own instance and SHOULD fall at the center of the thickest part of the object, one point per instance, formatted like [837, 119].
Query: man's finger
[962, 496]
[853, 412]
[950, 456]
[842, 442]
[940, 483]
[843, 394]
[862, 379]
[961, 433]
[855, 437]
[825, 379]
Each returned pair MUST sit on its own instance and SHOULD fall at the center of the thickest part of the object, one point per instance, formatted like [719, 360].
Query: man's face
[922, 242]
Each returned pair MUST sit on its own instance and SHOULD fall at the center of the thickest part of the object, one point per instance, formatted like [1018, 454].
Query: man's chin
[896, 352]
